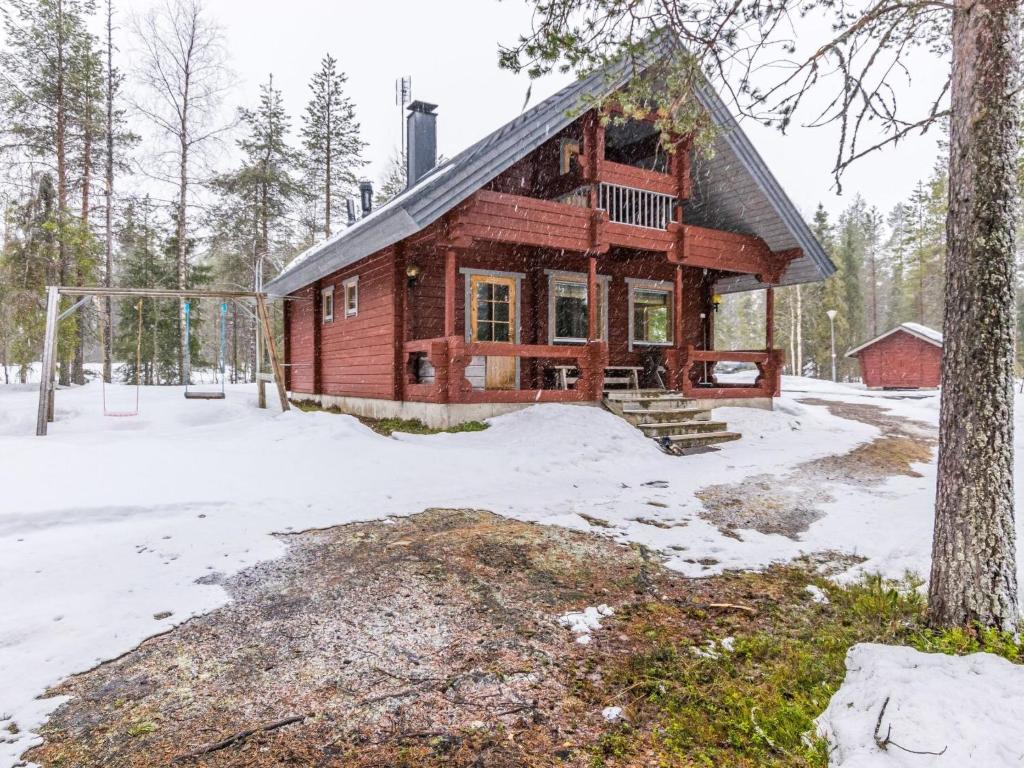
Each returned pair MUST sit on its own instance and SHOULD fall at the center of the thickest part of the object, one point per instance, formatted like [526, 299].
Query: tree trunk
[108, 272]
[799, 334]
[974, 576]
[60, 134]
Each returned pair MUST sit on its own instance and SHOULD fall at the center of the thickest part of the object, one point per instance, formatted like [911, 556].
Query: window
[650, 313]
[568, 307]
[327, 305]
[493, 305]
[351, 297]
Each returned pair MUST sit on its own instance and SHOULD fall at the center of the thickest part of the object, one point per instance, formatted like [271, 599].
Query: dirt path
[788, 504]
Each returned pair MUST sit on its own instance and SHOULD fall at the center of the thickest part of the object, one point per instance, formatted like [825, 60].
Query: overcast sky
[449, 47]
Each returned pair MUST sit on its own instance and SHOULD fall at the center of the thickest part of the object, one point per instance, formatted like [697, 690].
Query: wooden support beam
[450, 283]
[769, 321]
[156, 293]
[275, 361]
[49, 358]
[593, 317]
[677, 309]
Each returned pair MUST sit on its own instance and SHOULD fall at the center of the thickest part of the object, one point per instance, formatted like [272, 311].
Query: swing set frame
[84, 294]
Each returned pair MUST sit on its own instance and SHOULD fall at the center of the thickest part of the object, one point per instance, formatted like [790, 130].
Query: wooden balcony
[636, 218]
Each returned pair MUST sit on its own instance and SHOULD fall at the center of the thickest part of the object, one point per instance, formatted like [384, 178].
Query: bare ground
[788, 504]
[431, 640]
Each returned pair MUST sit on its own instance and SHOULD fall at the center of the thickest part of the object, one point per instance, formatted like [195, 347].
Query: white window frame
[559, 276]
[353, 283]
[662, 286]
[326, 317]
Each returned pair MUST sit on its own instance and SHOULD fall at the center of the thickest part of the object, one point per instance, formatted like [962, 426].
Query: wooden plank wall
[299, 343]
[357, 353]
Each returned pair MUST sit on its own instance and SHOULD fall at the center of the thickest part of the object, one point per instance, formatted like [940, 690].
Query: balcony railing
[692, 372]
[638, 207]
[436, 371]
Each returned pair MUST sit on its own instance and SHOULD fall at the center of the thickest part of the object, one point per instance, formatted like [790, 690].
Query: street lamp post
[832, 329]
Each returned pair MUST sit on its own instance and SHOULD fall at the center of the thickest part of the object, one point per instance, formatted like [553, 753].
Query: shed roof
[732, 190]
[922, 332]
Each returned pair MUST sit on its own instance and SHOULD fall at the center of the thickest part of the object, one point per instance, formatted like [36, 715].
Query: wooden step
[639, 416]
[679, 428]
[646, 402]
[681, 442]
[630, 394]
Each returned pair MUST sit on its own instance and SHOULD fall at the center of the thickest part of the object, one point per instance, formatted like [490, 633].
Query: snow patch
[582, 623]
[968, 708]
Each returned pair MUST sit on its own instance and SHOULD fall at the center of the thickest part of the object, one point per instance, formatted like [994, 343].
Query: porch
[564, 327]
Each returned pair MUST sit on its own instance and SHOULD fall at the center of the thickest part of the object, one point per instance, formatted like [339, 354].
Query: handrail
[501, 349]
[732, 356]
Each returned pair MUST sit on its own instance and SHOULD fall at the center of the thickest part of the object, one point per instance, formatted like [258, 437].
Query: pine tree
[330, 135]
[393, 180]
[48, 98]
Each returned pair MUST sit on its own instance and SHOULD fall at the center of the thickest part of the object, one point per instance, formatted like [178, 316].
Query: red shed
[907, 357]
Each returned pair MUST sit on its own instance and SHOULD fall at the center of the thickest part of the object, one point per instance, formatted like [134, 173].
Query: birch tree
[856, 71]
[183, 69]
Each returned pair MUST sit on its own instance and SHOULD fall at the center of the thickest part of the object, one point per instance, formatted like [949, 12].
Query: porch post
[593, 316]
[677, 308]
[769, 322]
[449, 292]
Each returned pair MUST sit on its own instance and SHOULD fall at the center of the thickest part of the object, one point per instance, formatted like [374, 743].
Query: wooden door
[493, 317]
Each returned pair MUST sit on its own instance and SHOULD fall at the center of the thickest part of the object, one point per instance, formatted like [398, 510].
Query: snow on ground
[969, 709]
[107, 523]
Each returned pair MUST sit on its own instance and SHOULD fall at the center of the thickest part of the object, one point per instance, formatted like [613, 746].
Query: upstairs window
[327, 305]
[351, 297]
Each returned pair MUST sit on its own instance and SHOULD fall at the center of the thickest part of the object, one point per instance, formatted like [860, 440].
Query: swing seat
[204, 395]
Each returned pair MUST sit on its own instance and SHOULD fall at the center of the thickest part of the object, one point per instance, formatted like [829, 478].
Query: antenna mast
[403, 96]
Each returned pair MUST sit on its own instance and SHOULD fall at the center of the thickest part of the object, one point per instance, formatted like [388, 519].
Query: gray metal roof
[733, 190]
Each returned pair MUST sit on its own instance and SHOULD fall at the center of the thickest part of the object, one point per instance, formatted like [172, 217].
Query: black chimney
[366, 196]
[422, 131]
[350, 210]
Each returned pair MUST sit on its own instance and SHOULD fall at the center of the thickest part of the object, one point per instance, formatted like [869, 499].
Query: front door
[492, 318]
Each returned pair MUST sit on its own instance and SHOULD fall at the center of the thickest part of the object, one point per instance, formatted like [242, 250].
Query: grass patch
[388, 426]
[755, 705]
[417, 427]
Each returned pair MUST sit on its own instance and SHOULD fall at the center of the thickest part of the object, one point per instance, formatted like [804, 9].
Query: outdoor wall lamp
[716, 300]
[412, 272]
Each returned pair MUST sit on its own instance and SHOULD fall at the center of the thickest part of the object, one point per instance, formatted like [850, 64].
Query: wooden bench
[618, 375]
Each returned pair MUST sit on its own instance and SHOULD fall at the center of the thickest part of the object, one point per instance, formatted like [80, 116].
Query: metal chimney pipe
[421, 156]
[350, 210]
[366, 196]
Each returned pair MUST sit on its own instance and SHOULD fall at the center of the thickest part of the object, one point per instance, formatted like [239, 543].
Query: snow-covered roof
[922, 332]
[732, 190]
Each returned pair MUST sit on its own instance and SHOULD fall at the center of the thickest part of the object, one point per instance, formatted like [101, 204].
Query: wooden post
[47, 364]
[261, 385]
[593, 316]
[677, 309]
[450, 282]
[769, 321]
[275, 361]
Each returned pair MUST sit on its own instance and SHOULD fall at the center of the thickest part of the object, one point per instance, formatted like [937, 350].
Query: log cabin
[560, 258]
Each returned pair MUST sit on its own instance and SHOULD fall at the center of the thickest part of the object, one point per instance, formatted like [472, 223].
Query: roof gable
[922, 332]
[734, 186]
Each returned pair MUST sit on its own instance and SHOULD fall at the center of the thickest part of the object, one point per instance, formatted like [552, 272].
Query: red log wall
[901, 360]
[357, 356]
